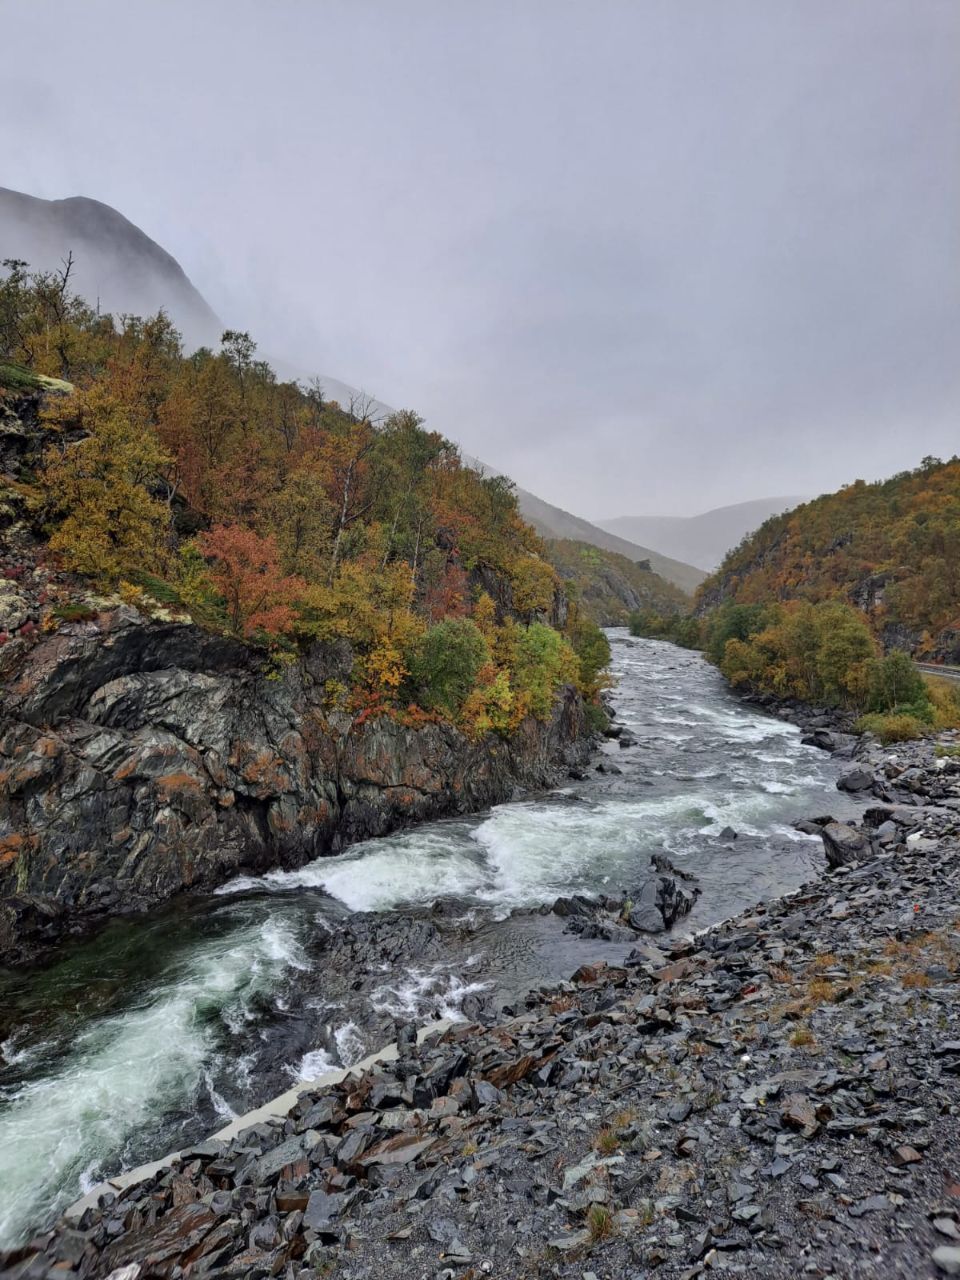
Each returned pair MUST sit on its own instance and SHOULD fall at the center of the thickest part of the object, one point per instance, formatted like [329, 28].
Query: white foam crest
[423, 993]
[350, 1044]
[313, 1064]
[14, 1057]
[538, 850]
[412, 867]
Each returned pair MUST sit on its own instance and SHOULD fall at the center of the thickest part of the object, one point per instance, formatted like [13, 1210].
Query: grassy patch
[607, 1142]
[895, 727]
[74, 612]
[801, 1037]
[599, 1222]
[16, 377]
[915, 979]
[158, 588]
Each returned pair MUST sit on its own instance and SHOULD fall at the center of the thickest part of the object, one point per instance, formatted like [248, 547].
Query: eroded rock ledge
[141, 758]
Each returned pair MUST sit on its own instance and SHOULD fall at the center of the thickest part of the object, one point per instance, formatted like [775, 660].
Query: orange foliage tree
[246, 571]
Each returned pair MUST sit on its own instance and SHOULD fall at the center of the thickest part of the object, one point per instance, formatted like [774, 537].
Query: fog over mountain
[128, 273]
[647, 257]
[115, 265]
[700, 540]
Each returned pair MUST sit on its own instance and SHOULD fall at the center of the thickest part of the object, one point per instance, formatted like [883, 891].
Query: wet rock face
[139, 759]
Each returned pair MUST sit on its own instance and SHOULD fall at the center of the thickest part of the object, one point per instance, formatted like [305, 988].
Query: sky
[645, 256]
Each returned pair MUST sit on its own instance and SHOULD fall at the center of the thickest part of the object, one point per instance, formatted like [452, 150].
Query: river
[158, 1030]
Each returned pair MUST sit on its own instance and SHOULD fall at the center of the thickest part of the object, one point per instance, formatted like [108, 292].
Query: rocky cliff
[140, 758]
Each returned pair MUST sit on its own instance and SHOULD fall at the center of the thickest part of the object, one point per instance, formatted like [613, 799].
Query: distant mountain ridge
[115, 262]
[705, 539]
[128, 272]
[553, 522]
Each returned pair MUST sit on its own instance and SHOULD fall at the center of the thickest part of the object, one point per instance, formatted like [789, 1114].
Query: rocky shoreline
[775, 1097]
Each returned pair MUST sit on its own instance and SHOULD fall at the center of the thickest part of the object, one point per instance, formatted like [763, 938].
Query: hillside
[609, 587]
[265, 512]
[117, 264]
[255, 625]
[892, 549]
[701, 540]
[556, 524]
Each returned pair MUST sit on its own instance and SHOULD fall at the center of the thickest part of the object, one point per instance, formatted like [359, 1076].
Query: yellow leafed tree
[98, 490]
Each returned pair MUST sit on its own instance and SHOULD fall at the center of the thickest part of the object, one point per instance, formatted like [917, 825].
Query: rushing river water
[156, 1031]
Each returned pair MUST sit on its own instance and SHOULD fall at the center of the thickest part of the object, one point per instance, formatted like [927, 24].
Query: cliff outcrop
[140, 758]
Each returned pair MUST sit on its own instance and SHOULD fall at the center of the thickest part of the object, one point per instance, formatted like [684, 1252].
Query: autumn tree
[246, 571]
[301, 516]
[96, 490]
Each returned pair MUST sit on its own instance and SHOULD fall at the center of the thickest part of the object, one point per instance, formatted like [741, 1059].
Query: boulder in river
[821, 738]
[651, 907]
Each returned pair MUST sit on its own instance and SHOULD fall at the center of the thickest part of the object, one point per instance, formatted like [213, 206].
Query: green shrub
[894, 727]
[895, 682]
[819, 653]
[592, 648]
[444, 665]
[944, 698]
[542, 662]
[687, 632]
[733, 622]
[597, 718]
[647, 623]
[682, 629]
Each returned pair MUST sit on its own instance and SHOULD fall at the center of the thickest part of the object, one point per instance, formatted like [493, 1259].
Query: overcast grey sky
[647, 256]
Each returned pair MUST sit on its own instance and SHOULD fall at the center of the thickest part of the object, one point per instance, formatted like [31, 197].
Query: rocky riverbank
[773, 1098]
[141, 757]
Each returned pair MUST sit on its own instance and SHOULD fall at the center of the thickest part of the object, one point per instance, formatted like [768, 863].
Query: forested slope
[608, 587]
[891, 549]
[200, 482]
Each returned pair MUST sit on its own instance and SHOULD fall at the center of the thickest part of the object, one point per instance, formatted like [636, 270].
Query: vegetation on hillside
[806, 606]
[892, 549]
[201, 480]
[609, 587]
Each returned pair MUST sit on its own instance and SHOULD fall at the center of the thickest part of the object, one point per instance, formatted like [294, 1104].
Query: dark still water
[158, 1031]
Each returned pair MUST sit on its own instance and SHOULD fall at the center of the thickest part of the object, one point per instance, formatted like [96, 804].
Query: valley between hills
[318, 737]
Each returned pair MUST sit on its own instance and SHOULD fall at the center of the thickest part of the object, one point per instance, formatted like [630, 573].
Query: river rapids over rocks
[161, 1029]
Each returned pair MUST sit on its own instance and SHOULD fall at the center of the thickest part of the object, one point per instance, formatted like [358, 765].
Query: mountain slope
[555, 523]
[130, 273]
[609, 587]
[115, 262]
[891, 548]
[701, 540]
